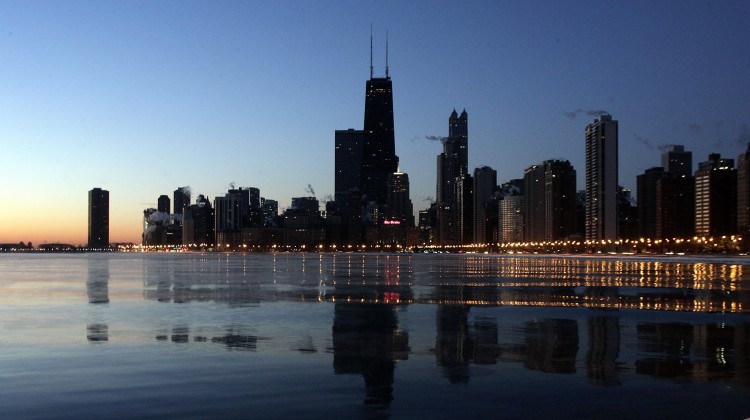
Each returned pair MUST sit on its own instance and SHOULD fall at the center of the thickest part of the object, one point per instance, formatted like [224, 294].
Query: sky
[142, 97]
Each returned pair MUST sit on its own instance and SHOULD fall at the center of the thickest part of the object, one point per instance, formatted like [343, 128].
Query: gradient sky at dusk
[142, 97]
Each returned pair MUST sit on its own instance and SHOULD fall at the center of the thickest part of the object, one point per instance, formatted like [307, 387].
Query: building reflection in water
[603, 350]
[457, 343]
[366, 336]
[701, 352]
[97, 290]
[370, 291]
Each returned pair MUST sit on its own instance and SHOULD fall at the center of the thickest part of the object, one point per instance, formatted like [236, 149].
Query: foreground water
[373, 335]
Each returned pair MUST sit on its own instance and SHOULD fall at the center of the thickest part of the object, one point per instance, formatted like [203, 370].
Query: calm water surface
[373, 335]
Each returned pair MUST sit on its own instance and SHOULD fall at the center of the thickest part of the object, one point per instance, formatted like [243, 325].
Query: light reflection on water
[646, 338]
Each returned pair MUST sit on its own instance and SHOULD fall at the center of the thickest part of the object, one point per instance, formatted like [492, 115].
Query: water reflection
[97, 290]
[594, 333]
[603, 350]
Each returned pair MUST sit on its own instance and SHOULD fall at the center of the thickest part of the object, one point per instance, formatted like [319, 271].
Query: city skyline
[141, 98]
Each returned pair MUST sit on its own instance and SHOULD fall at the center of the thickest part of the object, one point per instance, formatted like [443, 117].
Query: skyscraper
[348, 163]
[98, 218]
[379, 158]
[601, 179]
[451, 165]
[485, 181]
[534, 214]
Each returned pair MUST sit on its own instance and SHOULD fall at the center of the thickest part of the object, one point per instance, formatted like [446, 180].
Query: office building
[601, 179]
[716, 197]
[98, 218]
[379, 158]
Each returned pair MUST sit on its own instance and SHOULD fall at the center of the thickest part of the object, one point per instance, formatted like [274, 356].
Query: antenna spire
[371, 51]
[386, 54]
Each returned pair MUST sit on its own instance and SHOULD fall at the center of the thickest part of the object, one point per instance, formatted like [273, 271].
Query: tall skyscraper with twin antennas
[379, 158]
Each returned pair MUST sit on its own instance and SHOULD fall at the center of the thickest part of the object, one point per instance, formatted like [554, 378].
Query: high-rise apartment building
[601, 179]
[716, 197]
[559, 200]
[98, 218]
[485, 182]
[743, 192]
[677, 161]
[534, 210]
[675, 207]
[465, 209]
[647, 199]
[510, 218]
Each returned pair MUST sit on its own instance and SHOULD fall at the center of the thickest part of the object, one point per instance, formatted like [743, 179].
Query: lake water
[373, 336]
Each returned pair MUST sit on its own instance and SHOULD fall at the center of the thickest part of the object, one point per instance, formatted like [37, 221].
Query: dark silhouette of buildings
[181, 200]
[348, 163]
[98, 218]
[675, 207]
[601, 179]
[163, 203]
[485, 182]
[743, 192]
[198, 223]
[534, 217]
[559, 200]
[647, 198]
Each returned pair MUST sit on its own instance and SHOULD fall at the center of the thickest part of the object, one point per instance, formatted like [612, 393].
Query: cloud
[694, 128]
[589, 112]
[435, 138]
[644, 141]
